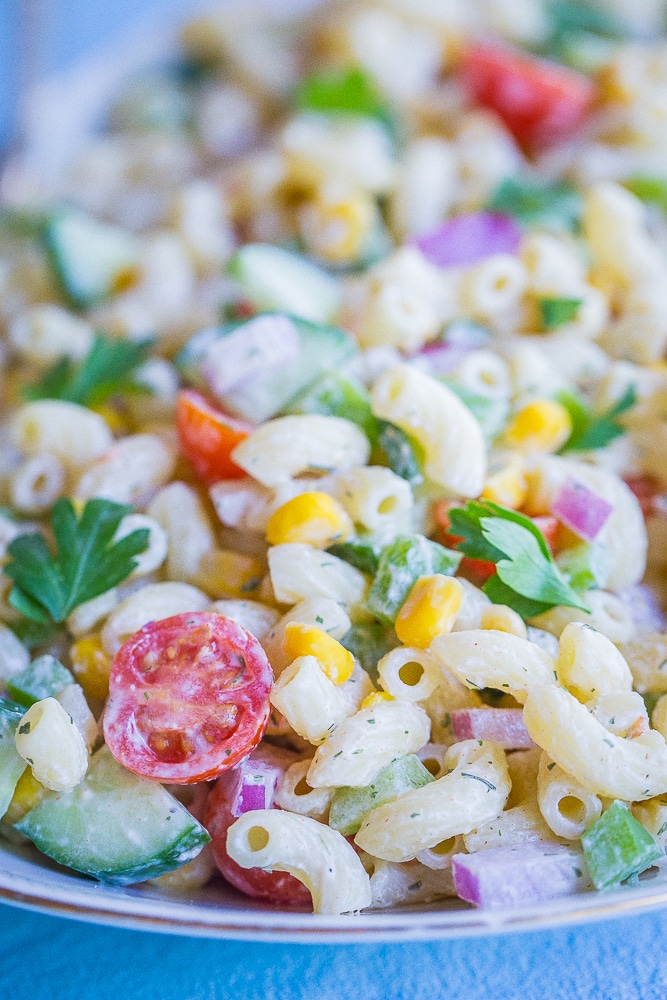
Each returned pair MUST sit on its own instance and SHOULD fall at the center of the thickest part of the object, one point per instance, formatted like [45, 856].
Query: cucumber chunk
[273, 279]
[336, 395]
[43, 678]
[116, 826]
[12, 765]
[350, 805]
[88, 256]
[319, 348]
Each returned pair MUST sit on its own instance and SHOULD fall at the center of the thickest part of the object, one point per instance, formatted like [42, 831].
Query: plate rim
[76, 898]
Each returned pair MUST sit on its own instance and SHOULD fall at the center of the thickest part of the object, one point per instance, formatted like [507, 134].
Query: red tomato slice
[278, 888]
[539, 101]
[648, 491]
[188, 698]
[207, 437]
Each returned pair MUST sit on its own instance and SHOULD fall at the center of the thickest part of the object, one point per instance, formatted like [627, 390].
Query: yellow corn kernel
[430, 609]
[314, 518]
[91, 666]
[114, 418]
[224, 573]
[337, 226]
[507, 486]
[543, 425]
[374, 698]
[503, 619]
[28, 792]
[335, 660]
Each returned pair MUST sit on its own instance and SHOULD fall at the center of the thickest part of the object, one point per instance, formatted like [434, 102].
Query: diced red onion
[581, 510]
[466, 239]
[252, 784]
[502, 725]
[263, 344]
[503, 877]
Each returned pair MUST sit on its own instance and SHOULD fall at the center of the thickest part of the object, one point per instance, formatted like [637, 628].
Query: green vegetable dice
[361, 552]
[401, 564]
[12, 765]
[617, 846]
[491, 414]
[350, 805]
[336, 395]
[44, 678]
[368, 643]
[403, 454]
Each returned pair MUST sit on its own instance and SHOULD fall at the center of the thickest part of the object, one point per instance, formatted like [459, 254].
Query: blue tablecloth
[50, 958]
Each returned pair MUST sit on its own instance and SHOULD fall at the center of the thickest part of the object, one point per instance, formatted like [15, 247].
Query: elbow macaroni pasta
[318, 856]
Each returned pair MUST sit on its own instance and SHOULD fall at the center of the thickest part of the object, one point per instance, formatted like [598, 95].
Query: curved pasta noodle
[602, 763]
[129, 472]
[73, 433]
[312, 704]
[589, 664]
[567, 808]
[482, 658]
[150, 603]
[280, 449]
[318, 856]
[473, 793]
[454, 449]
[295, 794]
[410, 674]
[360, 746]
[299, 571]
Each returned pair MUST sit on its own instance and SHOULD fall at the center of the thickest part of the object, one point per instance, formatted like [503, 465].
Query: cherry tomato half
[188, 698]
[277, 888]
[207, 437]
[539, 101]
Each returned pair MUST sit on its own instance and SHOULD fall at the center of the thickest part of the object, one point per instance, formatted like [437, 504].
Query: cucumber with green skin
[43, 678]
[276, 280]
[116, 826]
[321, 348]
[350, 805]
[12, 765]
[88, 256]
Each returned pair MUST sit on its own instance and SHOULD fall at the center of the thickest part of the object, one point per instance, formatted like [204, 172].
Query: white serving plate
[32, 881]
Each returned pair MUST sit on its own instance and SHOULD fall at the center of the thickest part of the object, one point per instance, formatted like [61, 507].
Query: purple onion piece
[502, 725]
[502, 877]
[581, 510]
[252, 783]
[466, 239]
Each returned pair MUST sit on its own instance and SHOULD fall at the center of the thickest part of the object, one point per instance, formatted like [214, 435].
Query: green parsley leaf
[87, 562]
[527, 578]
[532, 202]
[348, 91]
[650, 189]
[525, 569]
[105, 371]
[556, 311]
[598, 431]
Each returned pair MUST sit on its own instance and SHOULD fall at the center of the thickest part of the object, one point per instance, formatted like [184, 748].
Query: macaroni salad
[333, 467]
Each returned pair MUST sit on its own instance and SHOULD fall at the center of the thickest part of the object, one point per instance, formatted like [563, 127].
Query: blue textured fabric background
[47, 958]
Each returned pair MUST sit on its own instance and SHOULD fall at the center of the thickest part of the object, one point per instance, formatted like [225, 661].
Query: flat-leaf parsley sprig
[527, 578]
[87, 561]
[105, 371]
